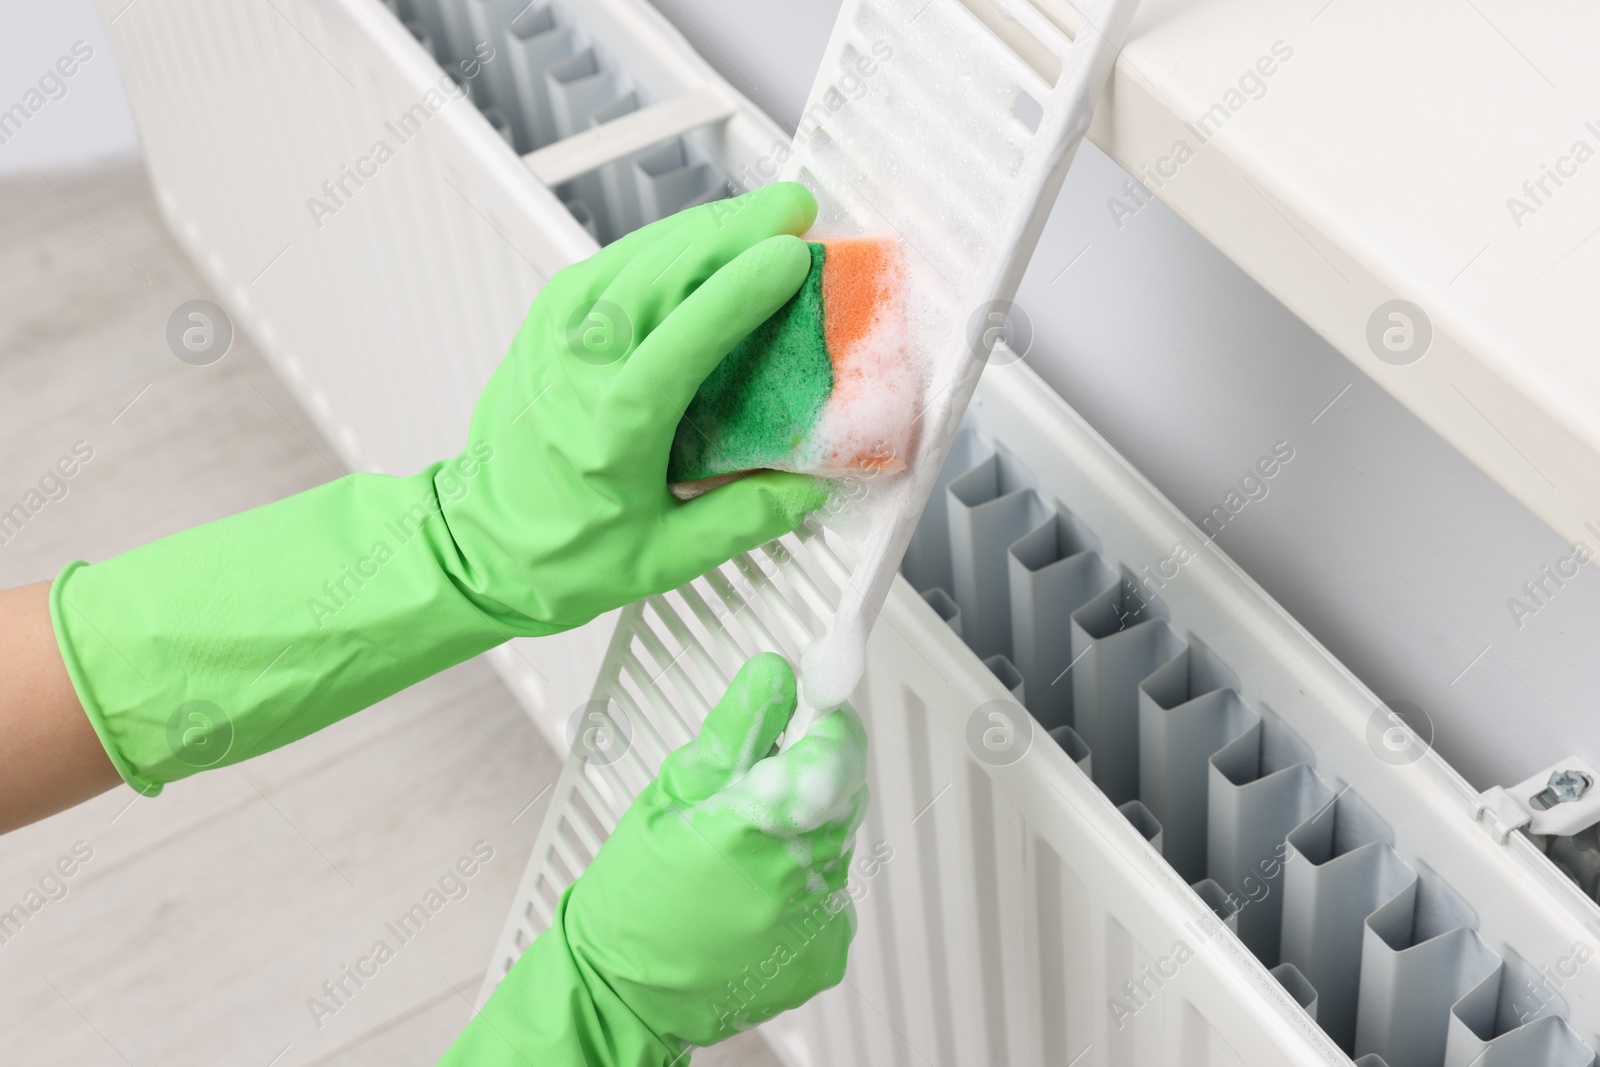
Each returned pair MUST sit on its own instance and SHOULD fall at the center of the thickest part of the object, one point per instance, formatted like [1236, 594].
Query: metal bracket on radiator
[1559, 801]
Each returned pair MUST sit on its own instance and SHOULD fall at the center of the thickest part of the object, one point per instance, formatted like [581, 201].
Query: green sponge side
[759, 404]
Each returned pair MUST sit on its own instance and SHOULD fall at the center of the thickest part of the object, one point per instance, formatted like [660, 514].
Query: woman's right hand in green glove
[718, 902]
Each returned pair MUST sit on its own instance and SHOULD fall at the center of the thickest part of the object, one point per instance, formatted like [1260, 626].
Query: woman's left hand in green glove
[574, 517]
[230, 639]
[719, 901]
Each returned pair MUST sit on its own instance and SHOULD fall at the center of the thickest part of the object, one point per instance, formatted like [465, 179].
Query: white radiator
[1217, 848]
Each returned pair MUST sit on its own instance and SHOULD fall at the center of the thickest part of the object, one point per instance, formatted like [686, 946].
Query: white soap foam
[873, 511]
[829, 670]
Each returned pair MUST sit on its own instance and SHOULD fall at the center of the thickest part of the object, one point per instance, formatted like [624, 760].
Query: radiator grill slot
[543, 82]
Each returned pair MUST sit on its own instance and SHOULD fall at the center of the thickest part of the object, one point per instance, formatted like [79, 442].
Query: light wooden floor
[206, 919]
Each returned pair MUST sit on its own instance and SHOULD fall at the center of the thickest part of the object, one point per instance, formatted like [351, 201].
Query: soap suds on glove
[817, 783]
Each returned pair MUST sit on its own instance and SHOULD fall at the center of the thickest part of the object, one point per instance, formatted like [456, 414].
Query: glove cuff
[86, 694]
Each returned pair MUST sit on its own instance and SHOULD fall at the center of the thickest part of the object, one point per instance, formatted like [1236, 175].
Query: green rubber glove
[230, 639]
[718, 902]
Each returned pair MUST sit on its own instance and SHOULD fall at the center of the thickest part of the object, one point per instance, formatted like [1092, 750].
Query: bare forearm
[50, 758]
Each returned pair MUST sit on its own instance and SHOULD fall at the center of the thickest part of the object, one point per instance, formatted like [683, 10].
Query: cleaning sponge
[824, 386]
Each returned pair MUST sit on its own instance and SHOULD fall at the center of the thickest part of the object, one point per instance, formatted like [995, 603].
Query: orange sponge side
[865, 425]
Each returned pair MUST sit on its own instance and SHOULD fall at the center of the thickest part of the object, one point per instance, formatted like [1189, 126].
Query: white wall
[1388, 546]
[81, 119]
